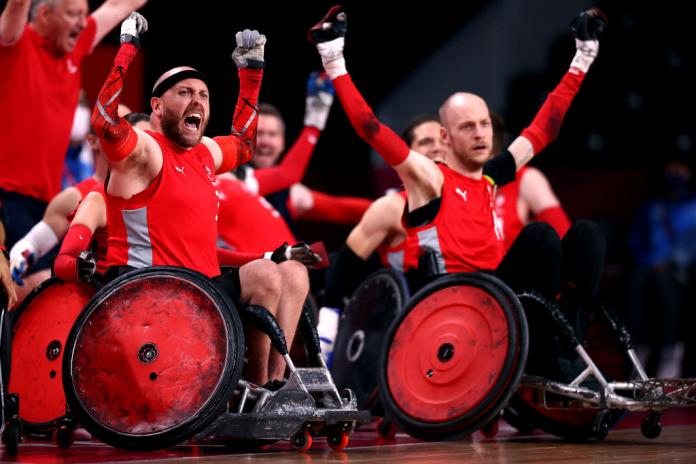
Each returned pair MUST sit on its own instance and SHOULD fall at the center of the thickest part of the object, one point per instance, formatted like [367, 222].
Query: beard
[171, 128]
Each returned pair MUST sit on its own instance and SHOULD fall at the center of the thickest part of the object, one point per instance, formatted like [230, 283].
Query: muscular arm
[421, 176]
[56, 215]
[110, 14]
[381, 222]
[90, 215]
[536, 192]
[13, 21]
[238, 148]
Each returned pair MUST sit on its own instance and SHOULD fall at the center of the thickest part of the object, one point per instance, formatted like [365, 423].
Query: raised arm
[291, 170]
[421, 176]
[112, 12]
[121, 143]
[238, 148]
[586, 28]
[13, 21]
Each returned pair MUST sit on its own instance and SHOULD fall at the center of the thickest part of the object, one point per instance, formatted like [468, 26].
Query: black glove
[589, 25]
[298, 252]
[86, 266]
[332, 26]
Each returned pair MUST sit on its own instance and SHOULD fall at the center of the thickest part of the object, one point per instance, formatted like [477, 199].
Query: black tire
[175, 293]
[11, 437]
[59, 319]
[363, 324]
[460, 291]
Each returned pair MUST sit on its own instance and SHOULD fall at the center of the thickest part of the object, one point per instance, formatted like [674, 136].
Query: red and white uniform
[39, 91]
[247, 221]
[398, 257]
[174, 221]
[466, 234]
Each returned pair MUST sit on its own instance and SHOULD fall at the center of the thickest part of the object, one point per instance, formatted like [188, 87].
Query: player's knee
[295, 276]
[262, 277]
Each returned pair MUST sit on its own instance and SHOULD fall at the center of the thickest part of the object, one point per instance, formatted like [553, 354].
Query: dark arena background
[624, 158]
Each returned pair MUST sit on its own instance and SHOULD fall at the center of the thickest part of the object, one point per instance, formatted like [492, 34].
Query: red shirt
[247, 221]
[38, 97]
[506, 200]
[465, 234]
[174, 221]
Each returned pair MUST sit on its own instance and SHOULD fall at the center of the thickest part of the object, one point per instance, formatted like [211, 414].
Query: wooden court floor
[677, 443]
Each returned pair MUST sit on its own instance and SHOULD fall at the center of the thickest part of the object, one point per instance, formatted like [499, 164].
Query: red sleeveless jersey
[174, 221]
[465, 235]
[248, 222]
[506, 200]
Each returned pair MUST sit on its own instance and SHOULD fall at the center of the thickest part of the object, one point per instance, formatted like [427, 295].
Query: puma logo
[462, 193]
[72, 69]
[180, 169]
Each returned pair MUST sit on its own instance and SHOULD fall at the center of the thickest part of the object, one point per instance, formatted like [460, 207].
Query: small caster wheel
[64, 437]
[337, 439]
[11, 437]
[490, 430]
[600, 426]
[386, 428]
[302, 440]
[651, 427]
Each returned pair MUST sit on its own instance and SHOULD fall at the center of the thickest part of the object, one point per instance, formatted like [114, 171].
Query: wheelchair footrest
[315, 379]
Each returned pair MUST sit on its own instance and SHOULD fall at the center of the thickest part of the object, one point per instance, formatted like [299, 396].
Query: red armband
[117, 137]
[75, 242]
[557, 218]
[547, 123]
[377, 135]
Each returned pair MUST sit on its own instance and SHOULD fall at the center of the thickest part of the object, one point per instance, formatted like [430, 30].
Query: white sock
[328, 328]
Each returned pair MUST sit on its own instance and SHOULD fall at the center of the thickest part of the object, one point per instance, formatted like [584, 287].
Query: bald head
[462, 102]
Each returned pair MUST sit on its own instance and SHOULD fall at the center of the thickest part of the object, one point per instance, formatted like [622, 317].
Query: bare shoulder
[214, 149]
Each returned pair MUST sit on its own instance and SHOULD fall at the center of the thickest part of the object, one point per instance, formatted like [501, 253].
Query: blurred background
[624, 157]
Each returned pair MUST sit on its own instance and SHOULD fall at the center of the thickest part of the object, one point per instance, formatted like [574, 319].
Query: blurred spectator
[42, 46]
[663, 245]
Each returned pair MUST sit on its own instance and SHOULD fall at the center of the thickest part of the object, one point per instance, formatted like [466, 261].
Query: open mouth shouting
[192, 122]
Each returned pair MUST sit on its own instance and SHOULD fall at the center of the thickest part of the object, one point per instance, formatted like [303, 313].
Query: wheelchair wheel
[362, 327]
[153, 358]
[453, 357]
[39, 334]
[566, 418]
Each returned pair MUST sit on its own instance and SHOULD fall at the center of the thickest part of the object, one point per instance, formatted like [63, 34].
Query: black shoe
[274, 385]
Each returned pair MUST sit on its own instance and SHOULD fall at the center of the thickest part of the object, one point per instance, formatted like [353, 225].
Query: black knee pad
[584, 249]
